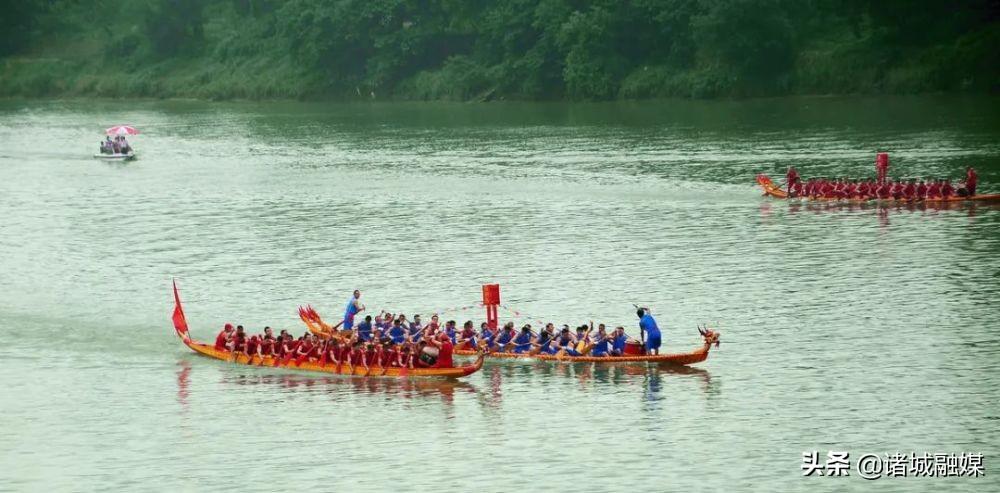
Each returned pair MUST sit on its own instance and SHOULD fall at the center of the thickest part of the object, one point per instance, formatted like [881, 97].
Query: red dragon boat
[773, 190]
[181, 326]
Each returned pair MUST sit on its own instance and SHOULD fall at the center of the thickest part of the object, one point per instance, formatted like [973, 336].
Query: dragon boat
[634, 351]
[773, 190]
[181, 326]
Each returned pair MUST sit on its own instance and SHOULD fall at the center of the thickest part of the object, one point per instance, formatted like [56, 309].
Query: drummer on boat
[971, 180]
[354, 307]
[791, 179]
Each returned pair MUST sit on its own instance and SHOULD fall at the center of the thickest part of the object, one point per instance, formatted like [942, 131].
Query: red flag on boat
[180, 323]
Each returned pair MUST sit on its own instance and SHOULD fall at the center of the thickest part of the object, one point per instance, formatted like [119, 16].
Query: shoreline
[80, 98]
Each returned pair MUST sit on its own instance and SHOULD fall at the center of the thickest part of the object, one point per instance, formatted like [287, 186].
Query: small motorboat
[118, 149]
[130, 155]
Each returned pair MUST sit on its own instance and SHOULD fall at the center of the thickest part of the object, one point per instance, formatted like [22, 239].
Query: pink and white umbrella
[122, 130]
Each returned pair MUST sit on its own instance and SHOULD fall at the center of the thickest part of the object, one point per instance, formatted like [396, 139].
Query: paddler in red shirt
[333, 352]
[406, 354]
[389, 356]
[864, 190]
[817, 188]
[239, 341]
[467, 337]
[797, 190]
[947, 190]
[852, 189]
[222, 340]
[267, 342]
[431, 329]
[896, 190]
[305, 348]
[910, 191]
[826, 189]
[921, 190]
[356, 357]
[253, 346]
[283, 344]
[371, 353]
[318, 348]
[839, 189]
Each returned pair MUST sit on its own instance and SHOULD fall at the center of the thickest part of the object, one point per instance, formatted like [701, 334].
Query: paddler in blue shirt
[486, 336]
[545, 338]
[505, 337]
[397, 333]
[565, 342]
[618, 341]
[354, 307]
[450, 330]
[648, 326]
[522, 343]
[365, 329]
[601, 340]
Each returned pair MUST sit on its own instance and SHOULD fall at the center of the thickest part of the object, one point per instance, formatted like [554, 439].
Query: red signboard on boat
[491, 294]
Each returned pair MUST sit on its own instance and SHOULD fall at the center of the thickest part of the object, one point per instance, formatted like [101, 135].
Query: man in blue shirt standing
[354, 307]
[648, 326]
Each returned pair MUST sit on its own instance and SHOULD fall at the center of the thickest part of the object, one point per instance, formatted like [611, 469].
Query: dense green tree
[174, 26]
[485, 49]
[17, 19]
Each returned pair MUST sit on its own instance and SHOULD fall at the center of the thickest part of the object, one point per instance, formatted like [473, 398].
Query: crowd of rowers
[881, 189]
[389, 341]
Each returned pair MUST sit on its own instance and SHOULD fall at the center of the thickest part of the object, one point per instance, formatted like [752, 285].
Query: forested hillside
[492, 49]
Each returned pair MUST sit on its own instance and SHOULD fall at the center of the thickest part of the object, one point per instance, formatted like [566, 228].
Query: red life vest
[444, 355]
[221, 340]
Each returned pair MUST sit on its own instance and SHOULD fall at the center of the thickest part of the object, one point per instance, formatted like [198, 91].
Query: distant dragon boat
[773, 190]
[180, 325]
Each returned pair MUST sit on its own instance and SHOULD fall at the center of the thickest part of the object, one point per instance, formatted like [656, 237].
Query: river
[859, 329]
